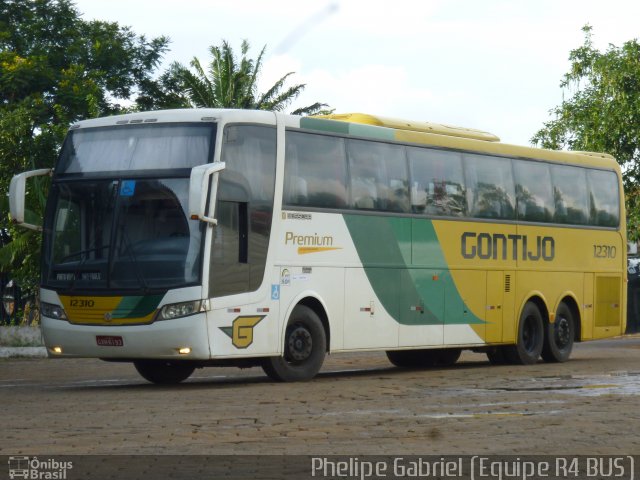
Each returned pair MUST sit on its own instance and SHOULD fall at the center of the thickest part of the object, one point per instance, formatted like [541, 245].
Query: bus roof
[447, 136]
[367, 126]
[426, 127]
[179, 115]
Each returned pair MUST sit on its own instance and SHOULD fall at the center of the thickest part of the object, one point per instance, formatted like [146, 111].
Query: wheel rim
[299, 344]
[562, 332]
[530, 334]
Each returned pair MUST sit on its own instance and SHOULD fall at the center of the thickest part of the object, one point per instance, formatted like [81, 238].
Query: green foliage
[55, 69]
[602, 112]
[229, 82]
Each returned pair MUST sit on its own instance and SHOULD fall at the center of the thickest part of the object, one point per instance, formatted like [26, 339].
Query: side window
[490, 189]
[570, 194]
[378, 174]
[244, 209]
[534, 194]
[604, 198]
[437, 186]
[250, 154]
[315, 171]
[66, 230]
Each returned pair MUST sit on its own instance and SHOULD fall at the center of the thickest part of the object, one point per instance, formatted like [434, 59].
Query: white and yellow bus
[189, 238]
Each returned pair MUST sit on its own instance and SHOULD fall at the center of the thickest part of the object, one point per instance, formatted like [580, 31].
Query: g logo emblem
[241, 331]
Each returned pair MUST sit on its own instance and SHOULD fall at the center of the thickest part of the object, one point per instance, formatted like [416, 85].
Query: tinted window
[229, 271]
[533, 191]
[438, 182]
[127, 234]
[490, 189]
[315, 171]
[378, 174]
[570, 194]
[604, 198]
[138, 147]
[244, 209]
[250, 156]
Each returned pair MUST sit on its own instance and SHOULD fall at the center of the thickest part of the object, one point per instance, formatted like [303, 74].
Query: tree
[602, 112]
[55, 69]
[231, 83]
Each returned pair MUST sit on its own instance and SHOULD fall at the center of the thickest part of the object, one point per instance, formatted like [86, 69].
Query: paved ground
[358, 405]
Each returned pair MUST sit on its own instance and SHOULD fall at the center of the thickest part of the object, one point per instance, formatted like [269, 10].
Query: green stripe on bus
[390, 256]
[324, 125]
[137, 306]
[346, 128]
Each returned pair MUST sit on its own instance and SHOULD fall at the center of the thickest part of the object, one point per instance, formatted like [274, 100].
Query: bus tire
[528, 348]
[496, 356]
[446, 357]
[305, 345]
[559, 336]
[441, 357]
[164, 372]
[406, 358]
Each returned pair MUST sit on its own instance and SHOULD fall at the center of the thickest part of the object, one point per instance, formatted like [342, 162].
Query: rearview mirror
[17, 195]
[198, 189]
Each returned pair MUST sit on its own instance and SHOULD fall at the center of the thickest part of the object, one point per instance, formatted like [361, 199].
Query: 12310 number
[604, 251]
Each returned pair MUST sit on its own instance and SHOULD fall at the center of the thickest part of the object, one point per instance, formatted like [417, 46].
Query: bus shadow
[231, 381]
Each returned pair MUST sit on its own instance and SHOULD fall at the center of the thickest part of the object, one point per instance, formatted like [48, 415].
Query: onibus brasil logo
[33, 468]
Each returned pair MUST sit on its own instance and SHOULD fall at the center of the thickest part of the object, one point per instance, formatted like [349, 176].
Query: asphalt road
[358, 405]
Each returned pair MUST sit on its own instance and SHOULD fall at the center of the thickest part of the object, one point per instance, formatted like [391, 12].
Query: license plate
[109, 341]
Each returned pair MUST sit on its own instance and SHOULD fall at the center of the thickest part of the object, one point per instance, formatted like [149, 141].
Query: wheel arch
[538, 299]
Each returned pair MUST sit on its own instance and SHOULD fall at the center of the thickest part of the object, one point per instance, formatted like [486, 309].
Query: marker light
[56, 349]
[184, 351]
[52, 311]
[178, 310]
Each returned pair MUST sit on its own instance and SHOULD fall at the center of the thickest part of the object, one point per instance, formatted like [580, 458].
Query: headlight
[178, 310]
[52, 311]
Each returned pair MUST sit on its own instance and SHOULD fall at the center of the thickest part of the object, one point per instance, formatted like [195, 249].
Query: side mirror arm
[198, 189]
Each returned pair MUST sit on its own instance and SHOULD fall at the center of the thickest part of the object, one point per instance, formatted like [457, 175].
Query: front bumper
[160, 339]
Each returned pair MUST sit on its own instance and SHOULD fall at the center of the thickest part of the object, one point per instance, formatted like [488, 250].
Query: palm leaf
[267, 99]
[230, 82]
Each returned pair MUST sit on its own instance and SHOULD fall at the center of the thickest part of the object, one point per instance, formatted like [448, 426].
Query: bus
[181, 239]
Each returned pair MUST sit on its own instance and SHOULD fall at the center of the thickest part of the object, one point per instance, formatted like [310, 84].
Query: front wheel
[559, 336]
[305, 345]
[530, 337]
[164, 372]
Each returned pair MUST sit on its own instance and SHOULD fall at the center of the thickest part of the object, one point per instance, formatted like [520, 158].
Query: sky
[494, 65]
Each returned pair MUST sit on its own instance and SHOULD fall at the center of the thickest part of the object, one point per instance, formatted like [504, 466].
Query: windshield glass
[122, 234]
[135, 147]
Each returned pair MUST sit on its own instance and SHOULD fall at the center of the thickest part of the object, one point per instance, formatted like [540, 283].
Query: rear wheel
[559, 336]
[164, 372]
[530, 337]
[305, 345]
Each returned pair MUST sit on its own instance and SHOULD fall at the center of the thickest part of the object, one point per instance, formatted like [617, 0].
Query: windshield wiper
[77, 270]
[136, 268]
[82, 252]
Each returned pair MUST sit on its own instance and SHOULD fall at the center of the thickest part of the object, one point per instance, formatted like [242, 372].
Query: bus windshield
[122, 234]
[135, 147]
[117, 217]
